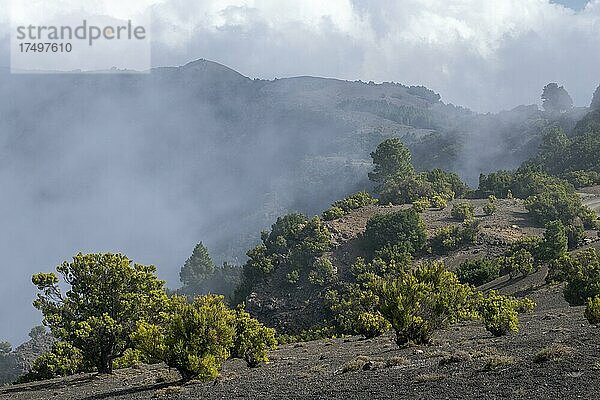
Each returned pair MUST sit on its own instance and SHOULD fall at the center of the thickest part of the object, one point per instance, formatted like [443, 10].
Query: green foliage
[575, 234]
[403, 190]
[421, 204]
[293, 277]
[439, 201]
[293, 243]
[582, 178]
[490, 207]
[193, 338]
[463, 211]
[592, 310]
[5, 348]
[423, 300]
[108, 295]
[62, 360]
[132, 358]
[37, 331]
[197, 269]
[556, 242]
[352, 202]
[332, 214]
[499, 314]
[391, 160]
[581, 271]
[478, 272]
[558, 204]
[519, 262]
[252, 339]
[199, 275]
[404, 227]
[556, 98]
[453, 237]
[322, 272]
[355, 311]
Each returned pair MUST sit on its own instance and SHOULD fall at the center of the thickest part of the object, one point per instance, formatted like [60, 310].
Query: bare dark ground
[465, 362]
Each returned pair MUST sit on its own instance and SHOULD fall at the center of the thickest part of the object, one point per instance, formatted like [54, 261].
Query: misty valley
[389, 219]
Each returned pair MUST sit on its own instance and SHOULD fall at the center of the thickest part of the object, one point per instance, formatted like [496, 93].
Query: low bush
[193, 338]
[478, 272]
[404, 227]
[322, 272]
[452, 237]
[62, 360]
[463, 211]
[352, 202]
[423, 300]
[592, 310]
[421, 204]
[252, 339]
[518, 262]
[581, 271]
[499, 314]
[490, 207]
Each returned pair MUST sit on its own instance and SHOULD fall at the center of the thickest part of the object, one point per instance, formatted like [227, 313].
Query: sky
[487, 55]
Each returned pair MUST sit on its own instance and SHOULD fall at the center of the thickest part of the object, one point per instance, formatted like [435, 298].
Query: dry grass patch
[429, 377]
[554, 352]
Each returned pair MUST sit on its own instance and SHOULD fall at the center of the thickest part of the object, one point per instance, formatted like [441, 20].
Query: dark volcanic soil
[465, 362]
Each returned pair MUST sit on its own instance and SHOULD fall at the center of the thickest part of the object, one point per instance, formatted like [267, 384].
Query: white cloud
[487, 54]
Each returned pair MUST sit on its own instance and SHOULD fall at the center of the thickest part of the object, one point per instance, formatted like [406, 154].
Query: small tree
[556, 242]
[490, 207]
[37, 332]
[197, 271]
[108, 295]
[556, 99]
[5, 348]
[463, 211]
[499, 314]
[62, 360]
[252, 339]
[391, 160]
[404, 227]
[592, 310]
[193, 338]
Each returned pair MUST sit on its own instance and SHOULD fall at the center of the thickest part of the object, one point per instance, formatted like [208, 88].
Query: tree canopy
[556, 98]
[108, 294]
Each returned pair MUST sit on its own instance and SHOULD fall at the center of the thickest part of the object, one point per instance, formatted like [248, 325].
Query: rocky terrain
[556, 355]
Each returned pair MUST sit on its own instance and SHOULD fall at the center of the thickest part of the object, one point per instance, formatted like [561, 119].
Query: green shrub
[499, 314]
[556, 242]
[490, 207]
[575, 234]
[478, 272]
[62, 360]
[423, 300]
[558, 204]
[463, 211]
[193, 338]
[293, 277]
[404, 227]
[131, 358]
[332, 214]
[581, 271]
[322, 272]
[421, 204]
[519, 262]
[439, 201]
[355, 201]
[452, 237]
[252, 339]
[354, 309]
[592, 310]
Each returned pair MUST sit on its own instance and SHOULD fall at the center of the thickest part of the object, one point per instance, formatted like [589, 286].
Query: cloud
[485, 54]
